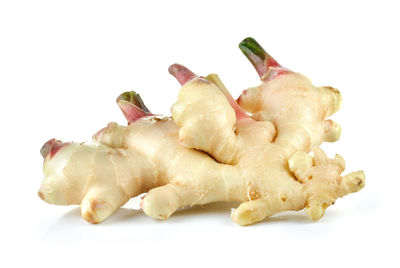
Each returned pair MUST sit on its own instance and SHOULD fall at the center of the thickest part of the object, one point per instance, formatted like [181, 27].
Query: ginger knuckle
[332, 131]
[340, 162]
[54, 189]
[333, 99]
[315, 211]
[250, 100]
[300, 164]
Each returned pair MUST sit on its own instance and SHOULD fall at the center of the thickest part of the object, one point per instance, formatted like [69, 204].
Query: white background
[63, 63]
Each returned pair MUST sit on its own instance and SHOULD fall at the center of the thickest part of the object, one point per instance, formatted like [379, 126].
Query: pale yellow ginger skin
[204, 154]
[297, 108]
[205, 122]
[99, 178]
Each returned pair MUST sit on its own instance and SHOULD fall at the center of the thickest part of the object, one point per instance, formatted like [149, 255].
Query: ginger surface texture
[261, 150]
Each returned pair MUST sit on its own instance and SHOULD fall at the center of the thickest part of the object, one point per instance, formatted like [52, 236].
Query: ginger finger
[161, 202]
[99, 204]
[353, 182]
[251, 212]
[290, 101]
[257, 210]
[206, 119]
[70, 178]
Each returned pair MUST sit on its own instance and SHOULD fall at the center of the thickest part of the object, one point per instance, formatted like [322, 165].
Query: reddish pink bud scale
[52, 147]
[131, 111]
[240, 113]
[271, 62]
[181, 73]
[98, 134]
[57, 147]
[275, 72]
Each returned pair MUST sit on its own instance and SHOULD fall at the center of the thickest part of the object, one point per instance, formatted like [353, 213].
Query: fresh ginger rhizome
[254, 150]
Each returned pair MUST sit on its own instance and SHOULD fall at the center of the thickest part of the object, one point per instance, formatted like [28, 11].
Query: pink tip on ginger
[52, 146]
[132, 106]
[240, 99]
[240, 113]
[266, 66]
[97, 136]
[181, 73]
[131, 111]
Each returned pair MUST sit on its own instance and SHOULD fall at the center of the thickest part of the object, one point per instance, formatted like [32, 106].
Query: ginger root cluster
[255, 150]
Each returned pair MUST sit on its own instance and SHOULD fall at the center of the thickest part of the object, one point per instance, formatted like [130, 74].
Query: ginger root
[210, 150]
